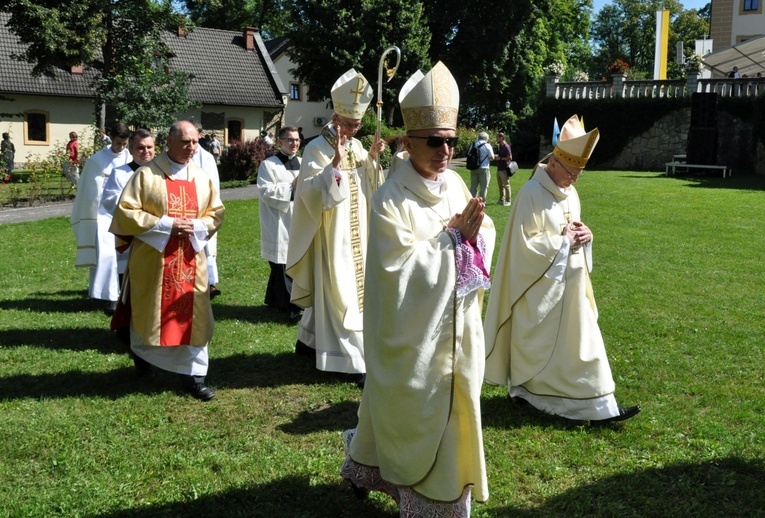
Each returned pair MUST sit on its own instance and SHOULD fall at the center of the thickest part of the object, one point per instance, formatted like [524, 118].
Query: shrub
[242, 159]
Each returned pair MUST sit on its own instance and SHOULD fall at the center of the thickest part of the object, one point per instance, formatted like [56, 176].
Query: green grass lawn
[678, 278]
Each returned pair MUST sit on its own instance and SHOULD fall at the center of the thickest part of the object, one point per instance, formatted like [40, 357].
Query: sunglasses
[434, 141]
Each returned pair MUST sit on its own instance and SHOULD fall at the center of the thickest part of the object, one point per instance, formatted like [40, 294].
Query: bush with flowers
[619, 66]
[693, 63]
[581, 77]
[555, 69]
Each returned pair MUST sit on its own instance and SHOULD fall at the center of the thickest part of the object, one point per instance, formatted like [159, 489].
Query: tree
[271, 17]
[122, 38]
[627, 30]
[331, 36]
[497, 51]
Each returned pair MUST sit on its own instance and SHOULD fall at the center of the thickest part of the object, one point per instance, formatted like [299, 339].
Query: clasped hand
[182, 227]
[577, 233]
[469, 221]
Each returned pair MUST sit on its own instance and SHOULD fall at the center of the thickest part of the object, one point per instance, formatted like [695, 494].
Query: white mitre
[430, 100]
[351, 95]
[574, 145]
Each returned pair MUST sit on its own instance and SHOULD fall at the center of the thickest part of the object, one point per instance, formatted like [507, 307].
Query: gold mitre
[430, 100]
[351, 95]
[574, 145]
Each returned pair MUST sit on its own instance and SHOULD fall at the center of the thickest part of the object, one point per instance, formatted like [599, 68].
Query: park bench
[675, 164]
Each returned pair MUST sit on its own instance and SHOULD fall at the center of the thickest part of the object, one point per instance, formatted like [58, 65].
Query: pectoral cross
[359, 89]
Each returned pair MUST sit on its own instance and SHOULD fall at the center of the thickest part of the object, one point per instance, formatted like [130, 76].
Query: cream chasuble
[541, 320]
[420, 418]
[325, 258]
[168, 290]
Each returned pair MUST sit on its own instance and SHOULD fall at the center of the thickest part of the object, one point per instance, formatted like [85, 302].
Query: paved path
[54, 210]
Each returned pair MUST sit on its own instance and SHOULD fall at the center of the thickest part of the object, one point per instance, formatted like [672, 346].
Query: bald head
[182, 141]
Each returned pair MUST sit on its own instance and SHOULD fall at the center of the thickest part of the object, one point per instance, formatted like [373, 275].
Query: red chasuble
[179, 268]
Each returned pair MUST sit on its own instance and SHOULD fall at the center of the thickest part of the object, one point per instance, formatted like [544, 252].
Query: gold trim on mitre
[574, 146]
[351, 95]
[430, 100]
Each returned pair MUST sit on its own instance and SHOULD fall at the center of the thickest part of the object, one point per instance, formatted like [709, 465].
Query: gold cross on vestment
[359, 89]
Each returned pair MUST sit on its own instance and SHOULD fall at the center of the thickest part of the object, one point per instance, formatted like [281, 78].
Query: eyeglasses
[574, 175]
[436, 142]
[290, 140]
[353, 126]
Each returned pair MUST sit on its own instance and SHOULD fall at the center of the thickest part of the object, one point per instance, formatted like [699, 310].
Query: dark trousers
[277, 292]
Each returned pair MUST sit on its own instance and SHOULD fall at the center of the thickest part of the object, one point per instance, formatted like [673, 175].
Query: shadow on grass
[288, 497]
[252, 314]
[499, 412]
[232, 372]
[67, 301]
[74, 339]
[724, 487]
[337, 416]
[747, 182]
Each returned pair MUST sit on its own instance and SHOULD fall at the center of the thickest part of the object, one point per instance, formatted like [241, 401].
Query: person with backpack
[479, 156]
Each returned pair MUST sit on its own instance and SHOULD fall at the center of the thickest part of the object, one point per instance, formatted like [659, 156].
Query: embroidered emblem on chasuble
[179, 268]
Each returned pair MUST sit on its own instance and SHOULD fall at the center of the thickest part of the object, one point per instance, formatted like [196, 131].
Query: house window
[36, 131]
[751, 5]
[294, 91]
[233, 131]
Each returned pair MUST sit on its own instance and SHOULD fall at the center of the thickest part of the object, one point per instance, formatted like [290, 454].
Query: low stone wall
[737, 145]
[655, 147]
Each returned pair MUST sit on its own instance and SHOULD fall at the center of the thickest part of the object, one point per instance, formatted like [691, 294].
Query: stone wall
[737, 145]
[655, 147]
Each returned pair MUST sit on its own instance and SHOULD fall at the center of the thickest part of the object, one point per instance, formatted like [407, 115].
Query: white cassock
[328, 241]
[95, 245]
[206, 161]
[112, 190]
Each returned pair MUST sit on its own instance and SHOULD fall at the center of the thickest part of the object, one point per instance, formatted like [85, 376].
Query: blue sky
[687, 4]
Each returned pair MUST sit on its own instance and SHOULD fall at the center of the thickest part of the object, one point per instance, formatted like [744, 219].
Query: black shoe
[520, 402]
[195, 385]
[624, 414]
[142, 367]
[295, 315]
[360, 492]
[302, 349]
[359, 380]
[111, 307]
[214, 292]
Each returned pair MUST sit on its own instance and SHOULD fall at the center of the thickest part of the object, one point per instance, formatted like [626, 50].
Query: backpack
[472, 160]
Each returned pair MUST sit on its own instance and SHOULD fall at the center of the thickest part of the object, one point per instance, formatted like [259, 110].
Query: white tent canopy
[748, 56]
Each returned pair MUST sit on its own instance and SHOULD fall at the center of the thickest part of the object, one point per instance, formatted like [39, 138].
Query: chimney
[249, 38]
[181, 32]
[77, 70]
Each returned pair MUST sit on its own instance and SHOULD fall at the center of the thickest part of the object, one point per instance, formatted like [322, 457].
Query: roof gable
[223, 71]
[17, 75]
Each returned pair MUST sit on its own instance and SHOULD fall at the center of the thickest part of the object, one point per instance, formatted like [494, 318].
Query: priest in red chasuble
[168, 211]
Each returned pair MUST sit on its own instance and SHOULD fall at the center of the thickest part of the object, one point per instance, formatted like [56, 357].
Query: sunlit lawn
[679, 282]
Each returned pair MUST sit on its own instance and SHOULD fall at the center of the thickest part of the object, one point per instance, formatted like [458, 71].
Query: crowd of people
[384, 273]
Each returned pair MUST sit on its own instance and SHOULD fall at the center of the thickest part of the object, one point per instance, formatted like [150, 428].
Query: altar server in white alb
[209, 164]
[141, 148]
[95, 245]
[419, 432]
[542, 334]
[328, 237]
[277, 178]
